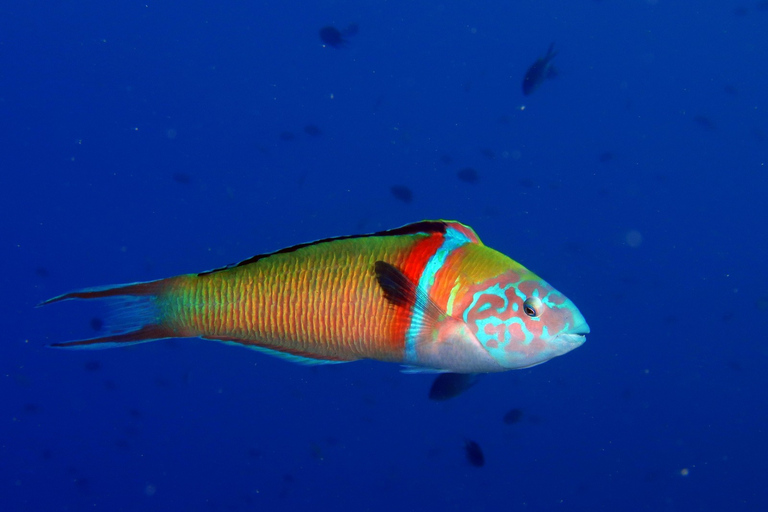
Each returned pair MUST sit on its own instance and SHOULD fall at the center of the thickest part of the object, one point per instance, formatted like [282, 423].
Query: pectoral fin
[401, 292]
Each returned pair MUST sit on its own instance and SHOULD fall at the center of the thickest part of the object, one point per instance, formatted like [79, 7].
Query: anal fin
[292, 356]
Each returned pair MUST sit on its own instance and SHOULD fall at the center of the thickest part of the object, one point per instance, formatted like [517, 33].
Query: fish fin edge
[302, 359]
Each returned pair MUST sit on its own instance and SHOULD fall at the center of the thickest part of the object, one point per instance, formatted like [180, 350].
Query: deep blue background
[143, 139]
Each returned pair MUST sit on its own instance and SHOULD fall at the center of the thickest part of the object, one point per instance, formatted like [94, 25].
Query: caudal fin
[134, 315]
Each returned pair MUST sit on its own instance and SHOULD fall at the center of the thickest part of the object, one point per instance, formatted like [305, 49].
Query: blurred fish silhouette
[540, 71]
[331, 36]
[449, 385]
[474, 453]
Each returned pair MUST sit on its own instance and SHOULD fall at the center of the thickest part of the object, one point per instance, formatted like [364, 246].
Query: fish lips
[567, 341]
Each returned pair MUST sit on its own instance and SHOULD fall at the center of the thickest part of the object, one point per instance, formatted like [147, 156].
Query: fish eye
[532, 307]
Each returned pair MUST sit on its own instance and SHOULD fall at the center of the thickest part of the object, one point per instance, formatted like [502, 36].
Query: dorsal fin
[446, 227]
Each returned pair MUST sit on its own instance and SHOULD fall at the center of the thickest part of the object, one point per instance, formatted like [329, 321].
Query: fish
[513, 416]
[474, 453]
[450, 385]
[539, 71]
[429, 295]
[331, 36]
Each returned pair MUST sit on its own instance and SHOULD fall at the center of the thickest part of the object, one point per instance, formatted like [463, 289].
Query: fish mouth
[574, 338]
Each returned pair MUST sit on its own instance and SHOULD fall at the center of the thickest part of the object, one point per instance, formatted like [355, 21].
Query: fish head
[520, 320]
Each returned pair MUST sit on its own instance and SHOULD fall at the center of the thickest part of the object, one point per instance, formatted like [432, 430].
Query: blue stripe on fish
[453, 239]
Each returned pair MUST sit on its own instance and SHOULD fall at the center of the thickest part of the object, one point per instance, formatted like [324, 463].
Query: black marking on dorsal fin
[402, 292]
[426, 226]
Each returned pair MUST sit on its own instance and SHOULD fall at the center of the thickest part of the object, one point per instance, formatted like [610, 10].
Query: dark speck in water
[488, 153]
[474, 453]
[182, 178]
[705, 122]
[97, 323]
[513, 416]
[468, 175]
[93, 365]
[402, 193]
[333, 37]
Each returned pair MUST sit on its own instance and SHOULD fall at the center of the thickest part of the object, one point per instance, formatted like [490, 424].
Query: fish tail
[134, 315]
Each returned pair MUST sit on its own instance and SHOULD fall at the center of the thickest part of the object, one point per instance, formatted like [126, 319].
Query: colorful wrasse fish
[429, 295]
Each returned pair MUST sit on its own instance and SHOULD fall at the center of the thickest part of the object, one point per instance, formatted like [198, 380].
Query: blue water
[147, 139]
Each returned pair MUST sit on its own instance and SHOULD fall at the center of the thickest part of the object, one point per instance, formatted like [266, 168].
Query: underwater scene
[384, 255]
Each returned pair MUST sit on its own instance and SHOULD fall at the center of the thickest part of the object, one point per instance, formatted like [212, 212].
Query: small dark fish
[334, 37]
[313, 130]
[92, 365]
[468, 175]
[402, 193]
[539, 71]
[181, 178]
[605, 156]
[474, 453]
[82, 485]
[513, 416]
[41, 272]
[704, 122]
[449, 385]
